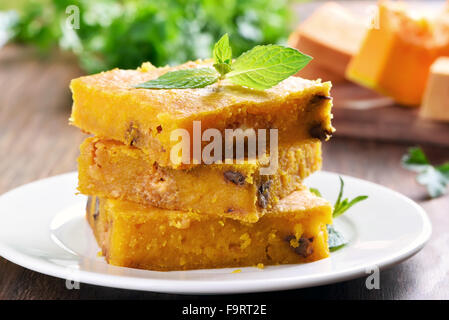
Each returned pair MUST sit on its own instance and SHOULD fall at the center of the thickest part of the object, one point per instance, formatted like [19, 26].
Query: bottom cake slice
[135, 236]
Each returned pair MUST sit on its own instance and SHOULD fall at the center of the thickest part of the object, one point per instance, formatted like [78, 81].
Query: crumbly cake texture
[150, 238]
[107, 105]
[113, 170]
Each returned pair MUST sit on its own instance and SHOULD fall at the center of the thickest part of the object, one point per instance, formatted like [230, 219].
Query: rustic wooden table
[36, 142]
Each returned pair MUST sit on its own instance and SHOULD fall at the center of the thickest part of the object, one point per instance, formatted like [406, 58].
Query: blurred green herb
[434, 178]
[336, 240]
[260, 68]
[125, 33]
[8, 19]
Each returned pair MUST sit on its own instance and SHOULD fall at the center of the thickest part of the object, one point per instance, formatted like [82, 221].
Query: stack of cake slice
[151, 211]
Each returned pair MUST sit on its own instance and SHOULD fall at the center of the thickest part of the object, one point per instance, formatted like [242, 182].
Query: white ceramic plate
[42, 228]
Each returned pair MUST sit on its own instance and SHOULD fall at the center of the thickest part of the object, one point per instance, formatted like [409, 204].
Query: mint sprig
[335, 239]
[222, 54]
[259, 68]
[183, 79]
[265, 66]
[434, 178]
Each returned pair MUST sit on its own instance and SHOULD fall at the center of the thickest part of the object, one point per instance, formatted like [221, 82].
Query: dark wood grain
[36, 141]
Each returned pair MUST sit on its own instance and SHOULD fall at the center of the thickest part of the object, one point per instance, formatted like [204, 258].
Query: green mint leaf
[341, 206]
[182, 79]
[435, 179]
[260, 68]
[335, 239]
[315, 192]
[265, 66]
[222, 52]
[222, 68]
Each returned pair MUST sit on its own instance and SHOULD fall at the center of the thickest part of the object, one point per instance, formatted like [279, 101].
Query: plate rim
[214, 287]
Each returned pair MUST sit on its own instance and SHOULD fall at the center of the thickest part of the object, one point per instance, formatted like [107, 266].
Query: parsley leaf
[259, 68]
[122, 34]
[341, 206]
[182, 79]
[434, 178]
[265, 66]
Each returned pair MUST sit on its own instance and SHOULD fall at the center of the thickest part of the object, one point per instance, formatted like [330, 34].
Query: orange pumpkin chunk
[395, 56]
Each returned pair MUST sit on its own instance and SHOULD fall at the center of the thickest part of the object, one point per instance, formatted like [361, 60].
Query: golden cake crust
[188, 102]
[107, 105]
[131, 235]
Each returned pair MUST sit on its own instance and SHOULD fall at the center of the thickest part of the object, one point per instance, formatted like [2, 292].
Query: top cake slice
[107, 105]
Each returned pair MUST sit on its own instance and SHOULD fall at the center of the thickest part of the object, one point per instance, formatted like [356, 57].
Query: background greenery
[125, 33]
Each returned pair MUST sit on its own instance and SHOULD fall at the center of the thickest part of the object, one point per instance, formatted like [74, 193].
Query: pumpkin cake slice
[131, 235]
[109, 106]
[110, 169]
